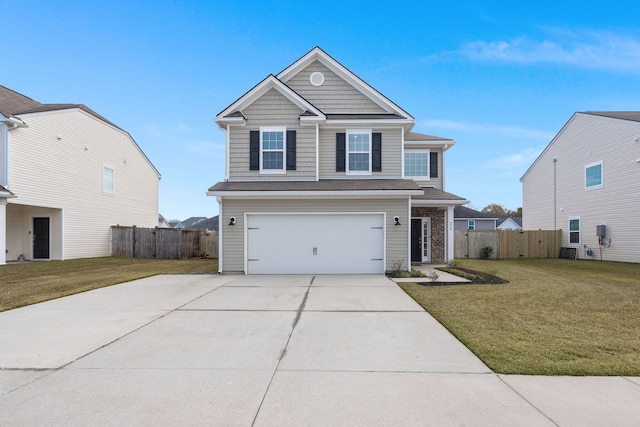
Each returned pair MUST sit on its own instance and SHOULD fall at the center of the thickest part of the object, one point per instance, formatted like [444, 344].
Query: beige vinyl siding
[431, 182]
[233, 236]
[588, 139]
[57, 163]
[391, 155]
[272, 109]
[335, 95]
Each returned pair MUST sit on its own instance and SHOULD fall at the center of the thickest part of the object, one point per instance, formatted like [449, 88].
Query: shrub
[485, 253]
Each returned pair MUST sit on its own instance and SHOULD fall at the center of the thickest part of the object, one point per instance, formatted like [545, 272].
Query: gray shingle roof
[431, 193]
[633, 116]
[322, 185]
[516, 219]
[415, 136]
[13, 103]
[464, 212]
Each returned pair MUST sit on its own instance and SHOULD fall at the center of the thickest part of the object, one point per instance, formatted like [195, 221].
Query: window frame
[592, 165]
[578, 231]
[426, 151]
[348, 152]
[283, 130]
[112, 188]
[471, 224]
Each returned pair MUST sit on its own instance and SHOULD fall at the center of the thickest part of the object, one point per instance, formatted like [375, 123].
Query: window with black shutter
[341, 153]
[291, 150]
[433, 165]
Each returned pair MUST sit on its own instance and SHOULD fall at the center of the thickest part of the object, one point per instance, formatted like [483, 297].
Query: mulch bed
[474, 277]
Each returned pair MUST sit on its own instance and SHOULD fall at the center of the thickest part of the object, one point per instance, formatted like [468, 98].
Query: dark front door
[416, 240]
[41, 238]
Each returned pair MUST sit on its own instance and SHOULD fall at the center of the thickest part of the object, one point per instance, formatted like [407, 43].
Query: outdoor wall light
[396, 220]
[232, 220]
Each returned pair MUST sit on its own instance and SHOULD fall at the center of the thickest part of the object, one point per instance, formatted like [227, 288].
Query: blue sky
[500, 78]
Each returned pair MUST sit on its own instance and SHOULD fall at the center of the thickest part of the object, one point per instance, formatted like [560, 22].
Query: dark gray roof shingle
[464, 212]
[633, 116]
[13, 103]
[322, 185]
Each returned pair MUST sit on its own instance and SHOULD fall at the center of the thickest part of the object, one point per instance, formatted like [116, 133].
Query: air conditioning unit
[601, 230]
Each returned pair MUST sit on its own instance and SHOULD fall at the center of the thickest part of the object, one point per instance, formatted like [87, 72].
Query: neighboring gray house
[471, 219]
[67, 175]
[324, 175]
[509, 223]
[586, 182]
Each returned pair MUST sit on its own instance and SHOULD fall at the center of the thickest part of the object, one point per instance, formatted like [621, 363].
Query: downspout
[317, 151]
[226, 164]
[409, 217]
[220, 227]
[450, 234]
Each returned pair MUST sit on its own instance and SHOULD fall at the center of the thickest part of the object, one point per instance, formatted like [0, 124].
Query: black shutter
[433, 165]
[291, 150]
[341, 154]
[376, 152]
[254, 150]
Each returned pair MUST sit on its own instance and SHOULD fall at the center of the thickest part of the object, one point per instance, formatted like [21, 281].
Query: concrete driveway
[270, 350]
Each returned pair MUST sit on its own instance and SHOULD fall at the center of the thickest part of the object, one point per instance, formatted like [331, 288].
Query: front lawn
[554, 317]
[32, 282]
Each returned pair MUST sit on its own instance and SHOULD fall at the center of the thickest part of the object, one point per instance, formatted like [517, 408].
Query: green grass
[554, 317]
[32, 282]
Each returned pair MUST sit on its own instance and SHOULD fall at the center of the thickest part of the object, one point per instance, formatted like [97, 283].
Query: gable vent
[316, 78]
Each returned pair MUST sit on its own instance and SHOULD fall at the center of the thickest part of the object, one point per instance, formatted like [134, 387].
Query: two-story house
[471, 219]
[324, 175]
[585, 182]
[67, 175]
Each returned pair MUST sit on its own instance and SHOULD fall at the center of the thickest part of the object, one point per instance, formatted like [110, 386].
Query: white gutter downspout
[317, 151]
[220, 227]
[450, 234]
[226, 155]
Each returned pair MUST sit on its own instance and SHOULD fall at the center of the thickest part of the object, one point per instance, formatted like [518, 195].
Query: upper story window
[593, 175]
[107, 179]
[471, 224]
[359, 151]
[272, 149]
[574, 230]
[416, 164]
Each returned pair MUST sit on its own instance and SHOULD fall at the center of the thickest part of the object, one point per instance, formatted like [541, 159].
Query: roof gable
[628, 116]
[319, 55]
[234, 111]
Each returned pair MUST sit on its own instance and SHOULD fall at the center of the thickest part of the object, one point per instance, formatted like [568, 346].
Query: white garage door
[315, 244]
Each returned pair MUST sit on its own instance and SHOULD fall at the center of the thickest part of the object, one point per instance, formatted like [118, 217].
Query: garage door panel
[330, 244]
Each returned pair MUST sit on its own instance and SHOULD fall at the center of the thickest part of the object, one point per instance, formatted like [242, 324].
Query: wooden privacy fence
[163, 243]
[508, 244]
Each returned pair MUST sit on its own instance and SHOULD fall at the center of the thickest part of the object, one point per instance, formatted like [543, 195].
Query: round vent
[316, 78]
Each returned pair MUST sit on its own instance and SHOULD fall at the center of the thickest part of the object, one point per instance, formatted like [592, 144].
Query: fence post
[134, 240]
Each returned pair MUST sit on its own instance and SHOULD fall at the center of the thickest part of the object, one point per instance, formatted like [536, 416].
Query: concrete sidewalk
[270, 350]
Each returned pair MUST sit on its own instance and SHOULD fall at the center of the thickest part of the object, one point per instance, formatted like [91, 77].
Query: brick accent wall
[437, 230]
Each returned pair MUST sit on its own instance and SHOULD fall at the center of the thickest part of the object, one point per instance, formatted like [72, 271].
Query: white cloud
[514, 162]
[587, 49]
[488, 129]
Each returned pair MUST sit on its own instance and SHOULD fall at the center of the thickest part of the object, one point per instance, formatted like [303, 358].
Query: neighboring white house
[471, 219]
[324, 175]
[71, 174]
[586, 183]
[509, 223]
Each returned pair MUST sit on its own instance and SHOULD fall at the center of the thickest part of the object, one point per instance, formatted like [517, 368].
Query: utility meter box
[601, 230]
